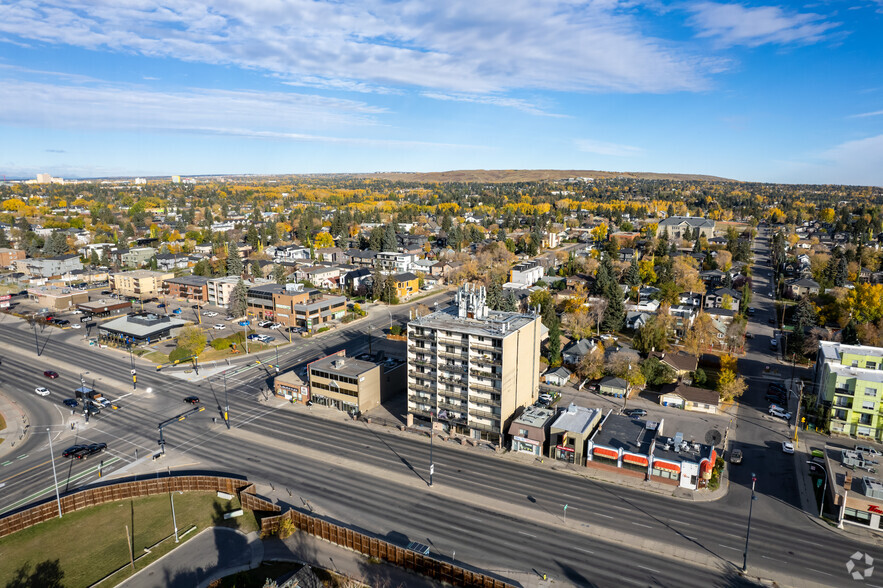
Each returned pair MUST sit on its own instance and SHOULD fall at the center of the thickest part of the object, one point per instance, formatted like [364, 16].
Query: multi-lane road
[496, 514]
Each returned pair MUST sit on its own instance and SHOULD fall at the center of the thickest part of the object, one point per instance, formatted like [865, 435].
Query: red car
[50, 374]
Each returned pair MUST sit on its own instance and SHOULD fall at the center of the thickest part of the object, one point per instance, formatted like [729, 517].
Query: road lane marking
[603, 515]
[773, 559]
[22, 456]
[728, 547]
[642, 525]
[528, 534]
[584, 550]
[5, 463]
[67, 482]
[649, 569]
[819, 571]
[678, 522]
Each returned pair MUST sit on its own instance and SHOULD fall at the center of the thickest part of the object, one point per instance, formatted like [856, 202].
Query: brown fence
[374, 547]
[121, 491]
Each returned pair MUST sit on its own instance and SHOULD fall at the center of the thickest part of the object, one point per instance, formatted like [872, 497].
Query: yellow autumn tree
[324, 239]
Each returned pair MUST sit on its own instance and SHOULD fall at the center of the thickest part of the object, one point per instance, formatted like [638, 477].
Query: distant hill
[531, 175]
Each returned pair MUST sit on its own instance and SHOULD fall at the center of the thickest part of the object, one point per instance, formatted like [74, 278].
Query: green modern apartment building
[850, 379]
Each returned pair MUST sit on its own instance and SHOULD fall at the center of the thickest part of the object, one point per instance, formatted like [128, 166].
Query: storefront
[349, 407]
[666, 469]
[563, 453]
[635, 462]
[606, 455]
[525, 445]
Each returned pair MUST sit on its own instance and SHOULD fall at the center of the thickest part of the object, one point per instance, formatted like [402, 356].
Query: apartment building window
[871, 365]
[865, 419]
[854, 363]
[840, 415]
[868, 405]
[870, 391]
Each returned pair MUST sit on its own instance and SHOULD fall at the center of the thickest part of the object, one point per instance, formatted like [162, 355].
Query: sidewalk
[16, 425]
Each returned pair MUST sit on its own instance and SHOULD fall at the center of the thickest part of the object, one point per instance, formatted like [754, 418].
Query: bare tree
[596, 311]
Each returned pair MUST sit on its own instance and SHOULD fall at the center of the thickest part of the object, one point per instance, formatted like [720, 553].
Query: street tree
[238, 299]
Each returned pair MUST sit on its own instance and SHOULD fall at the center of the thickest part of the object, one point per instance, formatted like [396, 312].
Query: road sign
[431, 469]
[133, 372]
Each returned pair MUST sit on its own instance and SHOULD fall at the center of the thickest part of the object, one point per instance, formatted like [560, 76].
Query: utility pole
[797, 413]
[748, 532]
[431, 435]
[226, 403]
[54, 475]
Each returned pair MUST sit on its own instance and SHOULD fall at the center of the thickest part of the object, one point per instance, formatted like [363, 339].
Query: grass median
[85, 546]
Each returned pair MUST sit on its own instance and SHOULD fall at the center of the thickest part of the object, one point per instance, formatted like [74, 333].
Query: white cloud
[604, 148]
[736, 24]
[457, 46]
[867, 114]
[858, 162]
[493, 100]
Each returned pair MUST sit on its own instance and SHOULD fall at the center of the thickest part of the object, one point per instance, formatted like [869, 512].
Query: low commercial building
[294, 306]
[636, 448]
[291, 387]
[356, 384]
[852, 495]
[570, 433]
[138, 329]
[139, 284]
[530, 431]
[57, 298]
[190, 288]
[105, 307]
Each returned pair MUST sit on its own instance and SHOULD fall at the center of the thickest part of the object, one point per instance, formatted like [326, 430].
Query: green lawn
[84, 546]
[2, 422]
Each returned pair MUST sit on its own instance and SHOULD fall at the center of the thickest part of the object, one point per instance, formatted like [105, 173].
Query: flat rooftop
[344, 366]
[618, 431]
[534, 416]
[577, 419]
[141, 325]
[497, 324]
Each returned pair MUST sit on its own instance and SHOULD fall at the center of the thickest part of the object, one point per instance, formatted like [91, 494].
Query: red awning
[663, 465]
[635, 459]
[604, 452]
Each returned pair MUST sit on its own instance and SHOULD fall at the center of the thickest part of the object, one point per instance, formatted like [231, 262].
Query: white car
[787, 447]
[265, 324]
[76, 326]
[780, 414]
[41, 391]
[209, 313]
[275, 325]
[220, 327]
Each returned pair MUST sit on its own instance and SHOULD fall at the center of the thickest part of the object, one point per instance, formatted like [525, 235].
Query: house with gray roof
[675, 226]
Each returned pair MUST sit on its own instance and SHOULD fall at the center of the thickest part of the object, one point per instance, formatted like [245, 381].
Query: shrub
[223, 343]
[699, 377]
[179, 353]
[395, 330]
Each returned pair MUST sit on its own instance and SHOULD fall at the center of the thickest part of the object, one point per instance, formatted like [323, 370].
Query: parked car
[781, 414]
[71, 402]
[275, 325]
[76, 326]
[192, 400]
[254, 337]
[85, 319]
[265, 324]
[750, 311]
[787, 447]
[41, 391]
[176, 311]
[774, 344]
[219, 327]
[736, 456]
[161, 305]
[266, 338]
[636, 413]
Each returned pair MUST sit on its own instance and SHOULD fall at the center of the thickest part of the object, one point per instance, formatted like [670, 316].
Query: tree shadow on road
[573, 576]
[46, 574]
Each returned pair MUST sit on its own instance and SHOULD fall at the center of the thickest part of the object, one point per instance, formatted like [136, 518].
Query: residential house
[292, 253]
[558, 377]
[526, 273]
[8, 256]
[715, 298]
[804, 286]
[614, 386]
[407, 284]
[636, 320]
[355, 279]
[689, 398]
[573, 353]
[682, 364]
[674, 226]
[170, 261]
[392, 261]
[361, 258]
[331, 255]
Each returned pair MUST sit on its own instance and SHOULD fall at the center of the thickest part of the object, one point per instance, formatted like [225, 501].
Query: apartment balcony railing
[484, 374]
[453, 369]
[452, 355]
[425, 362]
[485, 427]
[483, 387]
[844, 392]
[452, 406]
[485, 346]
[483, 413]
[421, 387]
[486, 360]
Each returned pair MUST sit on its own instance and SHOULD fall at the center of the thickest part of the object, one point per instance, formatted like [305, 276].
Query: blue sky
[779, 92]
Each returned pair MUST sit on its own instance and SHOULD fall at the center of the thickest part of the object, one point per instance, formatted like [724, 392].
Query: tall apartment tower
[471, 368]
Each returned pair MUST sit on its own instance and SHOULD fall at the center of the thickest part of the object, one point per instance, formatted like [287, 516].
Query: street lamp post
[748, 532]
[226, 403]
[824, 488]
[134, 377]
[54, 475]
[431, 436]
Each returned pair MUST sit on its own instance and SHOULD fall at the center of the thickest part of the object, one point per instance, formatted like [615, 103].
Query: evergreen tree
[389, 242]
[805, 315]
[208, 219]
[375, 240]
[509, 302]
[153, 263]
[849, 335]
[604, 277]
[494, 295]
[728, 280]
[840, 274]
[252, 237]
[271, 233]
[4, 240]
[105, 258]
[446, 223]
[202, 268]
[633, 275]
[56, 244]
[279, 274]
[93, 259]
[238, 299]
[234, 262]
[555, 344]
[614, 315]
[256, 269]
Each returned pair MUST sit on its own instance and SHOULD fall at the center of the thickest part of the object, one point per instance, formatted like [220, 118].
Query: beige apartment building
[471, 368]
[355, 384]
[140, 284]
